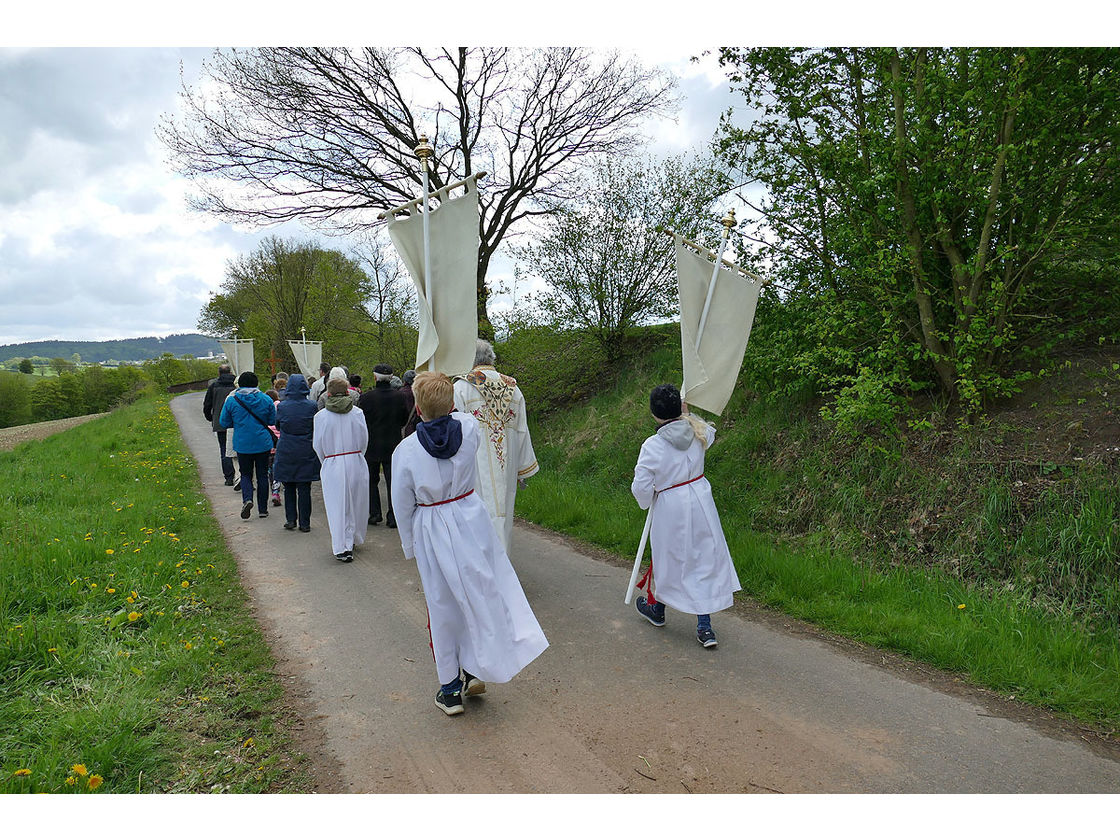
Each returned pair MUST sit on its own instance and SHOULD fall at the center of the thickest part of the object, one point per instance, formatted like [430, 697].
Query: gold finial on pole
[423, 150]
[728, 221]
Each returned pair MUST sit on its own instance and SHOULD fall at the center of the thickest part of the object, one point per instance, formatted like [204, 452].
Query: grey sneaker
[706, 637]
[247, 509]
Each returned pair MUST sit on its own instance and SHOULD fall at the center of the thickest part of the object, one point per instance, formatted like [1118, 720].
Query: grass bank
[964, 548]
[129, 661]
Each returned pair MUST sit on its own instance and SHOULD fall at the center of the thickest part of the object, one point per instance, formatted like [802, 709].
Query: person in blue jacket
[249, 412]
[296, 465]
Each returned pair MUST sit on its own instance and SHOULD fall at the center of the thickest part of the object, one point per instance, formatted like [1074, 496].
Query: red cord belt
[683, 483]
[445, 501]
[340, 454]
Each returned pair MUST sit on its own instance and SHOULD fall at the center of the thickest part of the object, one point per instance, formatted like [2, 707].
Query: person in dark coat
[296, 465]
[406, 391]
[386, 411]
[216, 393]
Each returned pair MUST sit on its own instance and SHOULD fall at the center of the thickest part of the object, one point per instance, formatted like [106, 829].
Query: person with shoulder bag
[250, 412]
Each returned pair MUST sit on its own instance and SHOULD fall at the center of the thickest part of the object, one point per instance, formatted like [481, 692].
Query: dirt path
[14, 435]
[614, 705]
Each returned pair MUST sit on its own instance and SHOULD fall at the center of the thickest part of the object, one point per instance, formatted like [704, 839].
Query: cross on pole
[273, 361]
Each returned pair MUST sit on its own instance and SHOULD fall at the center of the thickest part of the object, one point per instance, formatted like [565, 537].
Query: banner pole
[424, 151]
[728, 222]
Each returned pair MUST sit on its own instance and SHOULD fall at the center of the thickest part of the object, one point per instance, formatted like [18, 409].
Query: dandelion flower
[70, 780]
[960, 606]
[108, 551]
[132, 616]
[110, 590]
[23, 771]
[185, 584]
[79, 769]
[94, 782]
[187, 645]
[52, 650]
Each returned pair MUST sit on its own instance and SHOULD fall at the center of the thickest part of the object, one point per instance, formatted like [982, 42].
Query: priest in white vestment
[505, 458]
[482, 627]
[340, 439]
[692, 568]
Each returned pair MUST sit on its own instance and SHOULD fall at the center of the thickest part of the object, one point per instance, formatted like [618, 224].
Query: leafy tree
[15, 401]
[60, 365]
[48, 401]
[25, 366]
[607, 263]
[929, 203]
[327, 135]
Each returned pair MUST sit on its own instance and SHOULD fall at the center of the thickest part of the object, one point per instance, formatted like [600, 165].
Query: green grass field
[1000, 621]
[129, 660]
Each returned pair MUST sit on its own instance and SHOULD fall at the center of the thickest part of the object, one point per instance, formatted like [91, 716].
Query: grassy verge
[129, 661]
[832, 535]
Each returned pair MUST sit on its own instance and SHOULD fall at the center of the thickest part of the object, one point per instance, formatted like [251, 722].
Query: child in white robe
[691, 567]
[339, 439]
[482, 627]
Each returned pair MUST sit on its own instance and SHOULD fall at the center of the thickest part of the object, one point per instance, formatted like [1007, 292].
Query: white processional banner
[710, 371]
[448, 305]
[308, 355]
[239, 354]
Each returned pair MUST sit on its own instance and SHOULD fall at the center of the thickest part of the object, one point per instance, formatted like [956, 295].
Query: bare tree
[327, 134]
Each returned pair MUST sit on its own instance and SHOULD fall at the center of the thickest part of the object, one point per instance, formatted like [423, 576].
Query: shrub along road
[614, 705]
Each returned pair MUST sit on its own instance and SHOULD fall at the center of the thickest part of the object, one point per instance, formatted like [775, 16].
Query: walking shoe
[289, 526]
[392, 523]
[246, 509]
[651, 613]
[706, 637]
[472, 685]
[276, 500]
[263, 514]
[373, 520]
[229, 482]
[304, 530]
[345, 556]
[451, 703]
[236, 485]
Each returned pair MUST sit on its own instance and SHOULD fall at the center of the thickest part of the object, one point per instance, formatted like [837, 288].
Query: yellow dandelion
[960, 606]
[110, 590]
[94, 782]
[131, 600]
[185, 584]
[23, 771]
[79, 770]
[52, 650]
[248, 742]
[70, 780]
[109, 551]
[132, 616]
[187, 645]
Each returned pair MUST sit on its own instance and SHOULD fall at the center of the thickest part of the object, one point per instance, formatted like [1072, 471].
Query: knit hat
[665, 402]
[247, 379]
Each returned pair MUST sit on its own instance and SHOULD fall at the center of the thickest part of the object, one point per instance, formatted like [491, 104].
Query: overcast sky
[96, 240]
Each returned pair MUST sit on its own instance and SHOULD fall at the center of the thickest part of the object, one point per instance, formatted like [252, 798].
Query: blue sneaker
[451, 702]
[706, 637]
[653, 613]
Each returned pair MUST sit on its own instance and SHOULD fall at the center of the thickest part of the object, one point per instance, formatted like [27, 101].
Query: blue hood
[297, 388]
[441, 437]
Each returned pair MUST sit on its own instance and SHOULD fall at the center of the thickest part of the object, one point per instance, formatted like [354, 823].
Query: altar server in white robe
[482, 627]
[340, 439]
[505, 458]
[691, 566]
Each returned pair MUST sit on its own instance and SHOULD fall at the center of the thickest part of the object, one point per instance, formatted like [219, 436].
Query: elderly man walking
[505, 458]
[216, 393]
[386, 412]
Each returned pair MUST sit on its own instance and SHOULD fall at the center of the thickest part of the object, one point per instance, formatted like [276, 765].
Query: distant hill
[127, 349]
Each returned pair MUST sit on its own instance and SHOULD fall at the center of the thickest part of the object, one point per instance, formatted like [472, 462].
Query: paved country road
[614, 705]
